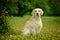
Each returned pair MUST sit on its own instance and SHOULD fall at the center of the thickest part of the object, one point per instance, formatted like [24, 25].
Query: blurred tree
[3, 14]
[2, 5]
[12, 7]
[55, 5]
[3, 22]
[22, 7]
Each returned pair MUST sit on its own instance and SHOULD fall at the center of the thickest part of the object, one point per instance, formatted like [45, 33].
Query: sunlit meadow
[50, 29]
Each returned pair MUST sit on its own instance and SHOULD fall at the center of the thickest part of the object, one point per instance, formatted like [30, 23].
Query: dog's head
[37, 12]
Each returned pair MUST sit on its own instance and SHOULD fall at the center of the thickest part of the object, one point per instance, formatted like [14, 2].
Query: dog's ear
[33, 13]
[41, 12]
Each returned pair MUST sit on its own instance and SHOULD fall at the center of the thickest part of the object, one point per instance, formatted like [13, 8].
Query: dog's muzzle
[37, 14]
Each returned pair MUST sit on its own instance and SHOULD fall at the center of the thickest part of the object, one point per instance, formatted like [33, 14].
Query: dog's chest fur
[34, 26]
[36, 23]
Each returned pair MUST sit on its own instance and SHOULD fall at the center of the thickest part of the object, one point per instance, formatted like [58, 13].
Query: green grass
[50, 30]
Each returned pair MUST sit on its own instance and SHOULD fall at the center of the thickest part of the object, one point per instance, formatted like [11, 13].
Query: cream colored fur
[34, 25]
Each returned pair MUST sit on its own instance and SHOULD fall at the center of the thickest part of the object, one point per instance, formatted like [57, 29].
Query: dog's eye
[39, 10]
[35, 11]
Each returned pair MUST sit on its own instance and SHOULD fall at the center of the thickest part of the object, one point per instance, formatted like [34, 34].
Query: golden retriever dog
[34, 25]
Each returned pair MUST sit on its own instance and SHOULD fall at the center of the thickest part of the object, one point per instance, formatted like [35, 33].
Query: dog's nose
[37, 14]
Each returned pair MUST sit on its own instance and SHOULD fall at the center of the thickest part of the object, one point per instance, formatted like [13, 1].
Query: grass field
[50, 30]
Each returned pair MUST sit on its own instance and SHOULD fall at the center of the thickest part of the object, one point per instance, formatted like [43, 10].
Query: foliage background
[23, 7]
